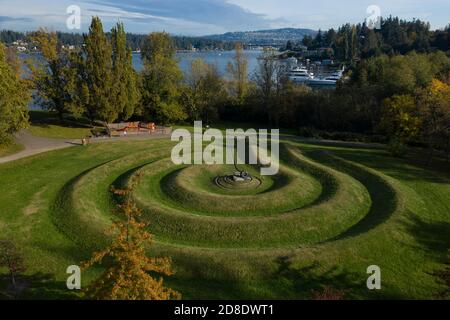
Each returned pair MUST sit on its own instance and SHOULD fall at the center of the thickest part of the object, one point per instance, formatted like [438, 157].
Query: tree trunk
[13, 279]
[430, 156]
[448, 150]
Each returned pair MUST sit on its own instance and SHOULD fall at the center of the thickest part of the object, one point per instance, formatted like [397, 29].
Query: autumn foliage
[129, 273]
[328, 293]
[11, 258]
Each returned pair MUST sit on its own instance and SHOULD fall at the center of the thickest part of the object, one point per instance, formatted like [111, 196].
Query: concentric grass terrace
[330, 213]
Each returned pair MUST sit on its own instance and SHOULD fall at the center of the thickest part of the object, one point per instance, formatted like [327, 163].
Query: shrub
[308, 132]
[396, 147]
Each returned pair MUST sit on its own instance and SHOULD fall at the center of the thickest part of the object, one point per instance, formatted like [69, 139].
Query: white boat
[331, 79]
[322, 82]
[299, 74]
[335, 75]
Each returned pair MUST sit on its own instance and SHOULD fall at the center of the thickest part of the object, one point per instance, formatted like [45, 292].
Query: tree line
[134, 41]
[99, 83]
[396, 36]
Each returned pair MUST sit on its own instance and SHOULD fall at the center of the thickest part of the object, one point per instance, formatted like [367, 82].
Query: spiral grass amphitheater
[332, 211]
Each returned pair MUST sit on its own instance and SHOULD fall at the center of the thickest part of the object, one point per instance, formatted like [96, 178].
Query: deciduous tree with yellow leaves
[434, 103]
[401, 122]
[129, 273]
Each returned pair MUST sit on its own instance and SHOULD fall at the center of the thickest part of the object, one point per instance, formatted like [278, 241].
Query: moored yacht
[331, 79]
[299, 74]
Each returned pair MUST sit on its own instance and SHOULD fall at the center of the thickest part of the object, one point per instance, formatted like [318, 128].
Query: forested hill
[264, 37]
[133, 40]
[346, 43]
[396, 36]
[225, 41]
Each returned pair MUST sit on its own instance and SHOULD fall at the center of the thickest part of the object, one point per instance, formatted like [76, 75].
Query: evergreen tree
[125, 92]
[96, 75]
[307, 41]
[14, 98]
[318, 40]
[161, 80]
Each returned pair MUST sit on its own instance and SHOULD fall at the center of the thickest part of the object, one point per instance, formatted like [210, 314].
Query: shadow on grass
[309, 279]
[39, 286]
[279, 279]
[433, 237]
[305, 281]
[409, 169]
[44, 119]
[383, 196]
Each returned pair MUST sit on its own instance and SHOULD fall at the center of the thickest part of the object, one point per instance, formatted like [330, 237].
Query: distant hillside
[276, 37]
[264, 37]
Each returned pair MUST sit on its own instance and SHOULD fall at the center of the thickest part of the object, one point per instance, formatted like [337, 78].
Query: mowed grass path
[358, 207]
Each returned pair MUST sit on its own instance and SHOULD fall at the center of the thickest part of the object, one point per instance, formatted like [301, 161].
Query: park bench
[122, 128]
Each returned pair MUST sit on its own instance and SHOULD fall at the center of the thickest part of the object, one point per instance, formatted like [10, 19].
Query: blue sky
[200, 17]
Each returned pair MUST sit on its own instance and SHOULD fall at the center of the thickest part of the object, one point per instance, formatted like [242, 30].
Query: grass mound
[300, 208]
[330, 212]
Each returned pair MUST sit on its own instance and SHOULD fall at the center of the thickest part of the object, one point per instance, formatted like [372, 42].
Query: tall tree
[54, 78]
[238, 73]
[129, 273]
[401, 122]
[125, 91]
[205, 91]
[269, 80]
[434, 102]
[14, 98]
[161, 80]
[96, 74]
[307, 41]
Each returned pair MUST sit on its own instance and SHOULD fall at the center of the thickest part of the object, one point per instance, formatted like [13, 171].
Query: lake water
[218, 58]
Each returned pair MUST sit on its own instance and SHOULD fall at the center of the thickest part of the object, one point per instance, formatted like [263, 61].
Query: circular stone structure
[238, 180]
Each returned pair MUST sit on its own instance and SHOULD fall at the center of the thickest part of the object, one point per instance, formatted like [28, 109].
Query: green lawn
[58, 131]
[223, 125]
[48, 125]
[331, 212]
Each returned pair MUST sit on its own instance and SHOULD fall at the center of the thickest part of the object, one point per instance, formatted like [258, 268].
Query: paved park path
[34, 145]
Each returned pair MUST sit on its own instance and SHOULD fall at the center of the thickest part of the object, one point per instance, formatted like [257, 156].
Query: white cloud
[325, 13]
[194, 17]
